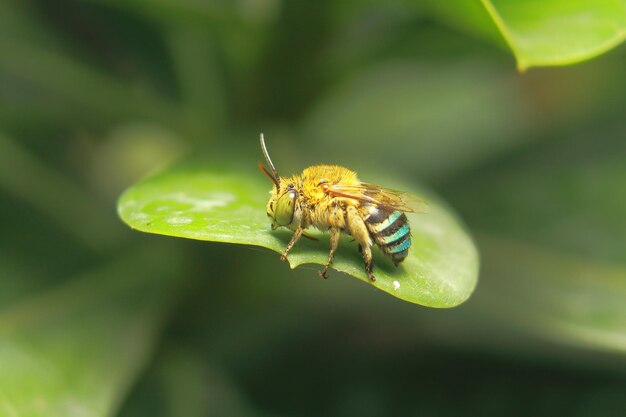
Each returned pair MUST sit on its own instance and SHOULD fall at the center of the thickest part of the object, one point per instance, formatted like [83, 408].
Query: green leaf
[559, 32]
[77, 349]
[201, 201]
[546, 32]
[551, 295]
[468, 15]
[552, 230]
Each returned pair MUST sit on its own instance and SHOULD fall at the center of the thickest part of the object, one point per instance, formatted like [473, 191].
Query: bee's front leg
[335, 234]
[296, 235]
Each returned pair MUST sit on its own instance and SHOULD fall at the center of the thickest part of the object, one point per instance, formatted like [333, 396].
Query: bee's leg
[367, 259]
[335, 234]
[359, 231]
[296, 235]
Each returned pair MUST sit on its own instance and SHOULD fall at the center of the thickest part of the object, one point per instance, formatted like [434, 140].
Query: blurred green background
[98, 320]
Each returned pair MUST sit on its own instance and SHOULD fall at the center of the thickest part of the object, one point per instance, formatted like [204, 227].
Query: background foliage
[97, 320]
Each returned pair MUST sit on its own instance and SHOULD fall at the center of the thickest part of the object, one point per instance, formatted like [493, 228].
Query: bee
[331, 197]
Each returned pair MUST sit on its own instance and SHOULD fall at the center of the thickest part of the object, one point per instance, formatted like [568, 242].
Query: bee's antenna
[274, 174]
[267, 156]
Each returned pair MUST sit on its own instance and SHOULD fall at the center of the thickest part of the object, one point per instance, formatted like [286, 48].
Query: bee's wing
[380, 196]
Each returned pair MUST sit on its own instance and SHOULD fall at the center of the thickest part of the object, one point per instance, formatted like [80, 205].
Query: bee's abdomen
[391, 232]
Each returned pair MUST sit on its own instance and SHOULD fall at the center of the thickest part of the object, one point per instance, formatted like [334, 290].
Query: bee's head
[282, 204]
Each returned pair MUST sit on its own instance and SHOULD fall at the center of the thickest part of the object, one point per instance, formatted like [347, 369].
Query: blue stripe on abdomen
[377, 228]
[404, 245]
[399, 234]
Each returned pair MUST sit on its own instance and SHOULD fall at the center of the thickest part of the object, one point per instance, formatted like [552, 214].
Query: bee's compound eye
[285, 208]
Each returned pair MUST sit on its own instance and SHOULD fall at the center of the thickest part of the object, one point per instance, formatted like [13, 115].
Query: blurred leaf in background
[98, 320]
[552, 32]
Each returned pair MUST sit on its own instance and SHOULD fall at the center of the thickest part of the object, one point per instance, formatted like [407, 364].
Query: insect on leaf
[197, 200]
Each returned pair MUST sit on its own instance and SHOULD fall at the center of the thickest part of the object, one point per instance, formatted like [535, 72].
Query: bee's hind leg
[358, 230]
[335, 234]
[367, 259]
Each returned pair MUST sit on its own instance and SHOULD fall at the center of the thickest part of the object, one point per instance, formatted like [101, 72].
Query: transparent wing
[380, 196]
